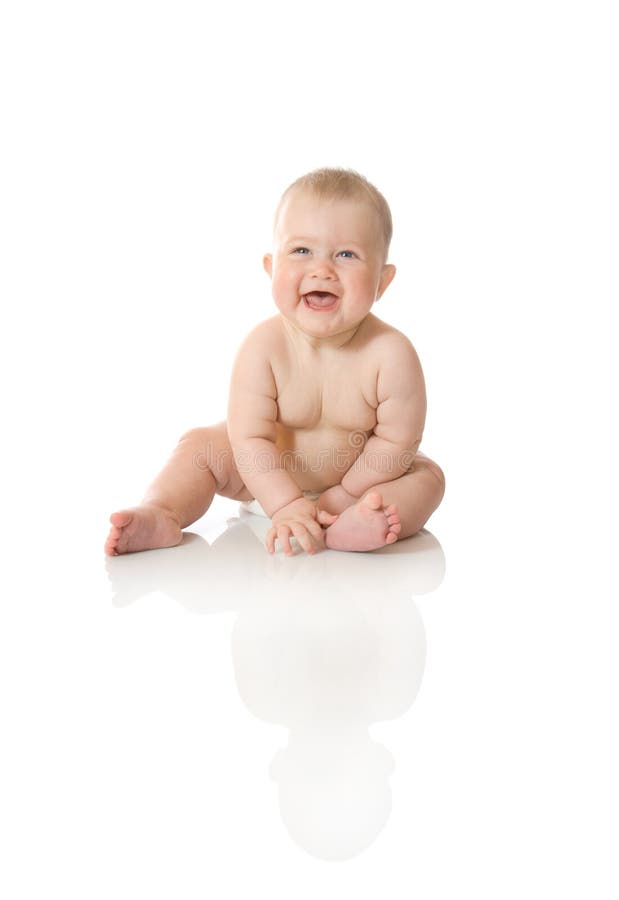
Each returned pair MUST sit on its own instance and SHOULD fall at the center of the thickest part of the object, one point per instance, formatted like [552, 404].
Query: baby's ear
[387, 276]
[267, 262]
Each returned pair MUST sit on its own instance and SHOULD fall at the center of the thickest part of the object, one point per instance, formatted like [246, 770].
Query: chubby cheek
[285, 285]
[363, 290]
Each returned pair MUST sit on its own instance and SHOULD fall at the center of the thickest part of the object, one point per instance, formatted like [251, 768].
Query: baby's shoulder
[385, 341]
[266, 336]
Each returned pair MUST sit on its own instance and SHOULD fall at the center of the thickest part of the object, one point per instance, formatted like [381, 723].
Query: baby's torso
[326, 409]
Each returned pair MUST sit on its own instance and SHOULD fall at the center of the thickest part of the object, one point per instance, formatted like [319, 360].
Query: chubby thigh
[212, 452]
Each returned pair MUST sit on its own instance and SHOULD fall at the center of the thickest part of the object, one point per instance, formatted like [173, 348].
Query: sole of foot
[142, 528]
[368, 525]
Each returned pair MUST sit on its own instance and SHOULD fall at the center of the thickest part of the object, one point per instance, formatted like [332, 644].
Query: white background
[144, 147]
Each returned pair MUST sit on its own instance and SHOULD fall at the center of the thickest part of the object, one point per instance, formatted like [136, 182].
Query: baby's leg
[201, 466]
[389, 511]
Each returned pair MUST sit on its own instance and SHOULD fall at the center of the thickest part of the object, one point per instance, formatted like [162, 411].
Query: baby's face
[327, 266]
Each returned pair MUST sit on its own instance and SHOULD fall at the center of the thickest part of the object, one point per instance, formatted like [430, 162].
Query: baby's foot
[367, 525]
[142, 528]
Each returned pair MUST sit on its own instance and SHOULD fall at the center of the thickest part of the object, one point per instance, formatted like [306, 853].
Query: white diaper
[252, 506]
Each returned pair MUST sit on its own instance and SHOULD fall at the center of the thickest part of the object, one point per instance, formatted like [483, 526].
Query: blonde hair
[339, 184]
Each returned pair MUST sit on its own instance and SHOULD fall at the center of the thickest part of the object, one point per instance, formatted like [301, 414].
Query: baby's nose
[322, 268]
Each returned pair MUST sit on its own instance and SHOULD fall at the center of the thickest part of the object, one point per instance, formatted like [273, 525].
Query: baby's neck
[332, 342]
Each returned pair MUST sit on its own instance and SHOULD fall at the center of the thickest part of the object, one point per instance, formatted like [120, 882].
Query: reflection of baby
[334, 794]
[327, 402]
[347, 653]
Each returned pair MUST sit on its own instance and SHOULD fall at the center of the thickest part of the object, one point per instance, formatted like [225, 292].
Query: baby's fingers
[269, 541]
[282, 534]
[326, 518]
[313, 527]
[304, 538]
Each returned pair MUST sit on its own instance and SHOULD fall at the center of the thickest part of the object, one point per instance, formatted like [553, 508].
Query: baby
[327, 402]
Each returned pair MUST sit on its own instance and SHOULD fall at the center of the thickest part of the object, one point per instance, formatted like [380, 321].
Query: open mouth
[320, 300]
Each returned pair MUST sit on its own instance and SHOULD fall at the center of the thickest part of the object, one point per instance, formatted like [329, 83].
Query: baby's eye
[347, 254]
[301, 250]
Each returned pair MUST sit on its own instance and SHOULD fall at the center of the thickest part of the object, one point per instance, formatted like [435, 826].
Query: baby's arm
[252, 414]
[400, 418]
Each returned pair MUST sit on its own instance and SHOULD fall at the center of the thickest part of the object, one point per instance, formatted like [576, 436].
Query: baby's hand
[304, 520]
[337, 499]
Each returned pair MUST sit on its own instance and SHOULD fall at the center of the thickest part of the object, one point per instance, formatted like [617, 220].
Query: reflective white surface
[323, 646]
[424, 718]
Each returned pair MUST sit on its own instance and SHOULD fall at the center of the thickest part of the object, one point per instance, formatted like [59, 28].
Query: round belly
[319, 459]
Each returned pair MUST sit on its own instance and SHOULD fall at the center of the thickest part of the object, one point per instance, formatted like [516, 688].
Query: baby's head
[330, 243]
[329, 184]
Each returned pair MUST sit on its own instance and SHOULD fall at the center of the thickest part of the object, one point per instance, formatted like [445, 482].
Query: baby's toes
[373, 500]
[393, 518]
[394, 523]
